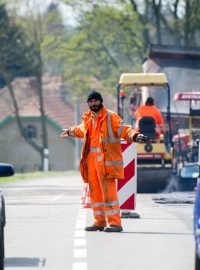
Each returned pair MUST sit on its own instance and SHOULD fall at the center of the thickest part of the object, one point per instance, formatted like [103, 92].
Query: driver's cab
[137, 87]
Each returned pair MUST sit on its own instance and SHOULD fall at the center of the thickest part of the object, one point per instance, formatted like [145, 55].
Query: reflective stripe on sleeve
[111, 140]
[110, 132]
[108, 163]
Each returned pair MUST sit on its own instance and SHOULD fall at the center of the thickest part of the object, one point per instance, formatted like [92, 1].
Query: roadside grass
[32, 175]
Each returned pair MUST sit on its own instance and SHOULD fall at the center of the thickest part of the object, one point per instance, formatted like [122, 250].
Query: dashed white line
[81, 221]
[80, 253]
[80, 266]
[79, 242]
[82, 216]
[79, 233]
[81, 225]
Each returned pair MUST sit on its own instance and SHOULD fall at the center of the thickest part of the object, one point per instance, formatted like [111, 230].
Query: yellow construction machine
[154, 159]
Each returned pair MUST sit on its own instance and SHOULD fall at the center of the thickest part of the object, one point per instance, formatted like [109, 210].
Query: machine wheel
[2, 248]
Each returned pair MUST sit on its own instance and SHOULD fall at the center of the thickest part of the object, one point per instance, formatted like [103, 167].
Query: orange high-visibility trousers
[103, 193]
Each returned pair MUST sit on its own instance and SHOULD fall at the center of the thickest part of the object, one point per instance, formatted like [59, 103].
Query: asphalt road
[45, 230]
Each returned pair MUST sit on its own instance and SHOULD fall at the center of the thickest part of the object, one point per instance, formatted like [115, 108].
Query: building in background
[182, 67]
[59, 113]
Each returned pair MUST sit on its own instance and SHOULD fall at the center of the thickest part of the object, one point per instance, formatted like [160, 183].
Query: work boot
[113, 228]
[94, 228]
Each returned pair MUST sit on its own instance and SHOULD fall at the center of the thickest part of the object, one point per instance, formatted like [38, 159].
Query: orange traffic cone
[87, 203]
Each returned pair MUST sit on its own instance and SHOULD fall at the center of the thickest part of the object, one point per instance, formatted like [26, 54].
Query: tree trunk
[45, 152]
[19, 121]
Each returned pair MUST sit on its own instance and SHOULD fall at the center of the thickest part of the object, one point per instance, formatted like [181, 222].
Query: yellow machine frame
[158, 149]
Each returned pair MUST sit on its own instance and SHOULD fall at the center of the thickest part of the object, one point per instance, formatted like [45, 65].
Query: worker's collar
[94, 114]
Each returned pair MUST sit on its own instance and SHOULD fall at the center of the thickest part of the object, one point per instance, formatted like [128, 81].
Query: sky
[67, 13]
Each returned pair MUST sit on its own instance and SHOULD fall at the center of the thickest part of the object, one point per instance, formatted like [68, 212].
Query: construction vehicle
[154, 159]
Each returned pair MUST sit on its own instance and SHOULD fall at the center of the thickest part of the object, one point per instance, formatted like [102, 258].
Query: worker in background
[149, 109]
[101, 160]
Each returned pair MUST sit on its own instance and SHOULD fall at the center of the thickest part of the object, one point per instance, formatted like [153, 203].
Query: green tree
[175, 22]
[106, 42]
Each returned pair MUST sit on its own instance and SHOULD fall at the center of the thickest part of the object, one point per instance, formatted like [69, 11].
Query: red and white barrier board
[127, 187]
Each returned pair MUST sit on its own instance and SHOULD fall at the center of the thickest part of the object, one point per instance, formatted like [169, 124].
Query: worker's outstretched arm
[76, 131]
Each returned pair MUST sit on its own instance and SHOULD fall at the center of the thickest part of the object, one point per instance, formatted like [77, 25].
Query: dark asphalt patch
[175, 198]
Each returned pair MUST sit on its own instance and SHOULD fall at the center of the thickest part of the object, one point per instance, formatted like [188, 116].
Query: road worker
[149, 109]
[101, 160]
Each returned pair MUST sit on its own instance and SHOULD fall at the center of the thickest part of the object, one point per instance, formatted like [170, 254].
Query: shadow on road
[164, 233]
[24, 262]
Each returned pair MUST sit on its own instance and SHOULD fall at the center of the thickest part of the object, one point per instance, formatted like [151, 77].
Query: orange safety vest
[111, 130]
[149, 111]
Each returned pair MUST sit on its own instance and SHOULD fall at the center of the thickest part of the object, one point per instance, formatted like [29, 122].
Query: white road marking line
[80, 266]
[81, 221]
[80, 253]
[80, 225]
[83, 210]
[79, 233]
[79, 242]
[82, 216]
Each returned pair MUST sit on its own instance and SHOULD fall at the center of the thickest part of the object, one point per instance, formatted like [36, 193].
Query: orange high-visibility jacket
[111, 130]
[149, 111]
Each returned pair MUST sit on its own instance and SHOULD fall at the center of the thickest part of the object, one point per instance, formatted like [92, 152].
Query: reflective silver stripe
[112, 203]
[97, 204]
[111, 137]
[98, 213]
[111, 140]
[110, 131]
[120, 130]
[96, 150]
[108, 163]
[112, 212]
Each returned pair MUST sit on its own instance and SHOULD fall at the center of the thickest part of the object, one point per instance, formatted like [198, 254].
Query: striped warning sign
[127, 187]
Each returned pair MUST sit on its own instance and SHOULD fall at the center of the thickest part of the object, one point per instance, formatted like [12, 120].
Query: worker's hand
[64, 133]
[142, 139]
